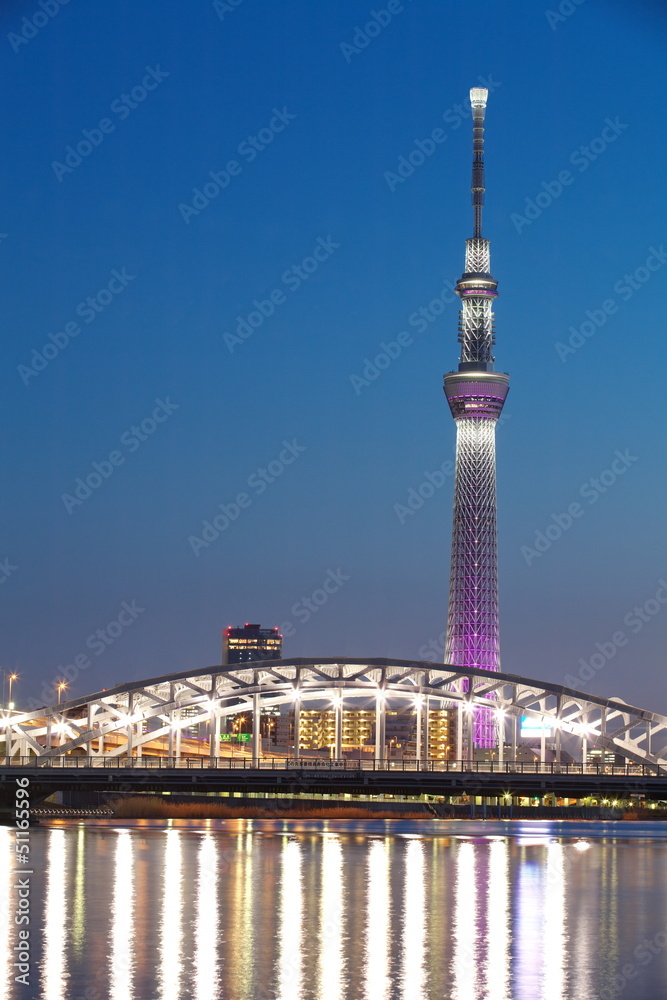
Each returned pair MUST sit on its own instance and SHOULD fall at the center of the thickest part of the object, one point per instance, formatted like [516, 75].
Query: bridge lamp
[468, 706]
[61, 687]
[419, 700]
[295, 694]
[210, 705]
[380, 695]
[500, 714]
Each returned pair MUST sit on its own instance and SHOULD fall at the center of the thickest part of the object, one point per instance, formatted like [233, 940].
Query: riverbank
[157, 807]
[154, 807]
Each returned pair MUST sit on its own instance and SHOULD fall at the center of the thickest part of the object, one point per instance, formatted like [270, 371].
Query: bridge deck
[337, 776]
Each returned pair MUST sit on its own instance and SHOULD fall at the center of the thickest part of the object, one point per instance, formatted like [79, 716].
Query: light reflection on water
[497, 919]
[331, 941]
[122, 916]
[7, 904]
[338, 911]
[53, 968]
[290, 927]
[414, 923]
[170, 970]
[206, 933]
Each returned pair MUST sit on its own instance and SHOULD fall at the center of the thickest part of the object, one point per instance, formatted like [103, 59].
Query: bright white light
[419, 700]
[582, 845]
[500, 714]
[296, 695]
[380, 695]
[535, 726]
[479, 97]
[209, 705]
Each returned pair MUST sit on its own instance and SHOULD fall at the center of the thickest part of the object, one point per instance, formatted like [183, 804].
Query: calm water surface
[303, 910]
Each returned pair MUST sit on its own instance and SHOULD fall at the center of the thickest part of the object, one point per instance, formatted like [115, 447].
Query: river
[322, 910]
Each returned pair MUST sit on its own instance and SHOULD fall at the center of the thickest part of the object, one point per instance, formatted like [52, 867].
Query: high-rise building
[250, 642]
[476, 395]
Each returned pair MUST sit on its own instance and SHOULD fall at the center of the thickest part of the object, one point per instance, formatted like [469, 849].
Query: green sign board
[243, 737]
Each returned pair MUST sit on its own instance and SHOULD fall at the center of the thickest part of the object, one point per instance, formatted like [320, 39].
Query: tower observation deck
[476, 395]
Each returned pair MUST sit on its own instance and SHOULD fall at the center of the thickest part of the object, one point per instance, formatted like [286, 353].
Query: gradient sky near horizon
[348, 112]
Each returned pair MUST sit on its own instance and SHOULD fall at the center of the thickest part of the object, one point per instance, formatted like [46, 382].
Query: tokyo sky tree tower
[476, 395]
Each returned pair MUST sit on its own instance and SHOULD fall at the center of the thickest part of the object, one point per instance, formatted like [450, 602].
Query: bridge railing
[326, 764]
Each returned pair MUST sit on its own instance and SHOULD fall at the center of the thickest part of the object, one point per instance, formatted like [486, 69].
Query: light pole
[61, 688]
[12, 678]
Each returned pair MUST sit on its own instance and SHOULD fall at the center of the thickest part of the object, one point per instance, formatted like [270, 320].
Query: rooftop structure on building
[243, 643]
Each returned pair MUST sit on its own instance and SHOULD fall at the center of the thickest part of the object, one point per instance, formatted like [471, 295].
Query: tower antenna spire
[478, 99]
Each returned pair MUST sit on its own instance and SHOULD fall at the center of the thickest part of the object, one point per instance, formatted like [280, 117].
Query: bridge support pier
[297, 727]
[338, 733]
[177, 748]
[214, 736]
[425, 728]
[256, 737]
[130, 727]
[380, 718]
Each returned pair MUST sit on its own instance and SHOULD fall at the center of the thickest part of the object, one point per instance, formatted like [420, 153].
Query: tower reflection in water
[313, 913]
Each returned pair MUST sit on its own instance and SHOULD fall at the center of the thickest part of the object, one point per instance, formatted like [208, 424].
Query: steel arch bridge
[110, 724]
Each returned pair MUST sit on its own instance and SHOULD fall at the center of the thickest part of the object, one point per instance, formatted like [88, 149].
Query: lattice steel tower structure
[476, 394]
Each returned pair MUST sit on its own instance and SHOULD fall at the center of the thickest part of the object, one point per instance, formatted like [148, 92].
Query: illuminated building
[318, 728]
[441, 734]
[250, 642]
[476, 395]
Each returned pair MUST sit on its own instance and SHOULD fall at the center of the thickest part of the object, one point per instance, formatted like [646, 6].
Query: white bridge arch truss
[111, 723]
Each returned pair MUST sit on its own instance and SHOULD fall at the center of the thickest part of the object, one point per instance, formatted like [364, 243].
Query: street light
[61, 687]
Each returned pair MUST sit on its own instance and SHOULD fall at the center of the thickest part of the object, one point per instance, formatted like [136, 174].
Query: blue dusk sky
[215, 218]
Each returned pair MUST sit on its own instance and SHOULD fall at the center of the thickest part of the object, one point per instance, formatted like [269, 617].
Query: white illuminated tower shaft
[476, 395]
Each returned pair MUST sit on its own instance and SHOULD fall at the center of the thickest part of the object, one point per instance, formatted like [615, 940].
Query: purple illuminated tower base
[476, 395]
